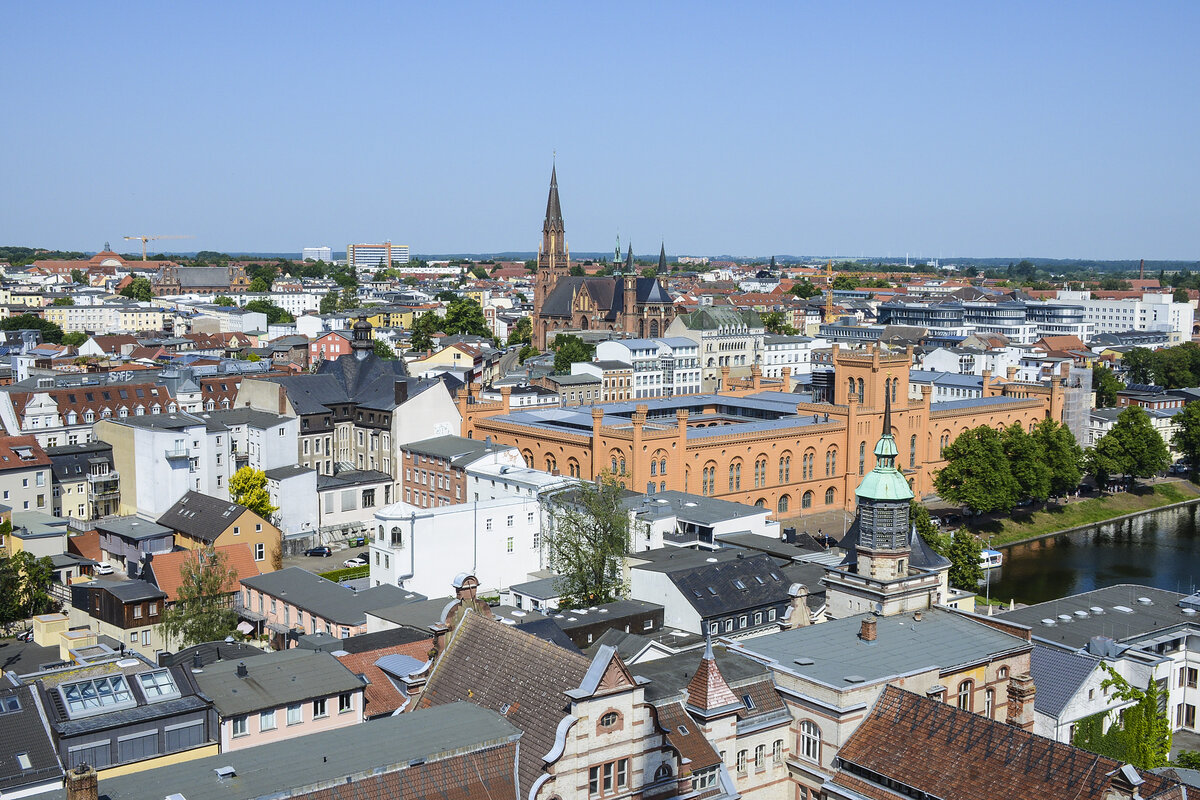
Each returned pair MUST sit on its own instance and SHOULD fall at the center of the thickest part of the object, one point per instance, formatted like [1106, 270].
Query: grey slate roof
[941, 640]
[327, 599]
[274, 680]
[607, 293]
[1057, 674]
[321, 759]
[201, 517]
[132, 528]
[22, 731]
[351, 477]
[731, 584]
[70, 462]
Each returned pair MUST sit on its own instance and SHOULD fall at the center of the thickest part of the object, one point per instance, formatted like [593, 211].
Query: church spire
[629, 260]
[554, 220]
[552, 255]
[662, 258]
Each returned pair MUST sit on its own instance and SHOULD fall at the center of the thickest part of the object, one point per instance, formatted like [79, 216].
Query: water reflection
[1158, 549]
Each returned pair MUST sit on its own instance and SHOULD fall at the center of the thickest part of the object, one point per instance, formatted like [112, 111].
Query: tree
[79, 276]
[1140, 450]
[348, 300]
[224, 300]
[423, 329]
[570, 349]
[527, 352]
[650, 272]
[248, 487]
[964, 554]
[1062, 454]
[976, 473]
[62, 301]
[464, 315]
[22, 322]
[919, 516]
[845, 283]
[329, 303]
[445, 296]
[522, 332]
[587, 541]
[202, 611]
[138, 289]
[74, 338]
[36, 575]
[1180, 296]
[260, 285]
[775, 322]
[1187, 438]
[1106, 385]
[1139, 365]
[805, 289]
[275, 314]
[384, 350]
[1026, 462]
[1188, 759]
[576, 271]
[1141, 734]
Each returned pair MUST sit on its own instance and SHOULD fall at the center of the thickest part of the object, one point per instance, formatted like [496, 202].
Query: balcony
[177, 452]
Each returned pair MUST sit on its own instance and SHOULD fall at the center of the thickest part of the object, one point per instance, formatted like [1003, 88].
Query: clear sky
[1006, 129]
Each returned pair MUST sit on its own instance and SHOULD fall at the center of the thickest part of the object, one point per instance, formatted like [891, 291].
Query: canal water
[1161, 549]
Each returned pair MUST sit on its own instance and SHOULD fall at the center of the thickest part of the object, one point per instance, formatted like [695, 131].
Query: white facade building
[422, 549]
[370, 256]
[1152, 312]
[788, 351]
[662, 367]
[317, 254]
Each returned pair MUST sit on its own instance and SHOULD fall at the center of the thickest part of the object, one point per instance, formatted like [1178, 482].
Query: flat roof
[131, 527]
[333, 758]
[1116, 612]
[833, 654]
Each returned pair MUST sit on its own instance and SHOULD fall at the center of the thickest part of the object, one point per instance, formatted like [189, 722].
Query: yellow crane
[144, 239]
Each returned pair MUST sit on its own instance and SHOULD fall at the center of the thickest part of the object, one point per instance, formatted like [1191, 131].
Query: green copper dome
[885, 482]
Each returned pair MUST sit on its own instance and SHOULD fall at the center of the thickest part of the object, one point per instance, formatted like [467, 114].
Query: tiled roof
[21, 452]
[22, 731]
[708, 690]
[273, 680]
[687, 737]
[381, 695]
[201, 517]
[167, 568]
[506, 670]
[937, 748]
[1057, 674]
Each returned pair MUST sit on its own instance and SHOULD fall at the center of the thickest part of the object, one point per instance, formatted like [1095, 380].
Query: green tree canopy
[775, 322]
[79, 276]
[74, 338]
[384, 350]
[260, 285]
[1139, 365]
[50, 332]
[275, 314]
[570, 349]
[138, 289]
[248, 487]
[977, 474]
[464, 315]
[1141, 734]
[202, 611]
[1026, 462]
[1179, 296]
[1106, 385]
[423, 329]
[1133, 447]
[1187, 437]
[1062, 454]
[329, 303]
[964, 554]
[804, 288]
[845, 283]
[224, 300]
[62, 301]
[587, 542]
[527, 352]
[522, 332]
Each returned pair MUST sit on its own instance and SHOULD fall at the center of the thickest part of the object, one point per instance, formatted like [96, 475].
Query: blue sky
[937, 129]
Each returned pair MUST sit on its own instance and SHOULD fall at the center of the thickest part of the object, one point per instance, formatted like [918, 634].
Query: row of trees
[989, 470]
[1172, 367]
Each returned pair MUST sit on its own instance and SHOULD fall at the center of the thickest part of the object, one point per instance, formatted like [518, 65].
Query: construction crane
[144, 239]
[829, 292]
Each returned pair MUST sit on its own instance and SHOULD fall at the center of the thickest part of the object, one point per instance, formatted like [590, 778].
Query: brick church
[626, 302]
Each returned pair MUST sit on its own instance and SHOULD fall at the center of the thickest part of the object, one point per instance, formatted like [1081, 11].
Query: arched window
[760, 503]
[653, 328]
[784, 501]
[662, 486]
[895, 383]
[807, 464]
[622, 465]
[662, 466]
[912, 452]
[735, 476]
[862, 457]
[831, 462]
[785, 468]
[851, 389]
[663, 772]
[614, 465]
[860, 389]
[649, 487]
[989, 703]
[760, 471]
[964, 695]
[527, 455]
[653, 467]
[810, 741]
[379, 534]
[572, 468]
[829, 496]
[397, 537]
[806, 500]
[709, 479]
[760, 757]
[551, 464]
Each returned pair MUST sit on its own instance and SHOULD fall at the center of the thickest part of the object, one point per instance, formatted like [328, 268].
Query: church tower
[363, 343]
[554, 256]
[883, 498]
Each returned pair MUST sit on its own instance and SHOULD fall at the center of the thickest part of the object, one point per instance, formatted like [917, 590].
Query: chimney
[197, 664]
[917, 615]
[1020, 701]
[797, 616]
[867, 633]
[242, 672]
[401, 392]
[82, 784]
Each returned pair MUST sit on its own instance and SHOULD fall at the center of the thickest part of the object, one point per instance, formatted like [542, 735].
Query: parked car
[104, 568]
[364, 556]
[354, 562]
[320, 552]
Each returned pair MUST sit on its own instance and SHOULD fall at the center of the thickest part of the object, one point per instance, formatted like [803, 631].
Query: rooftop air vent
[1064, 617]
[1081, 613]
[1145, 601]
[855, 679]
[1096, 610]
[1049, 623]
[1123, 609]
[225, 772]
[1190, 612]
[126, 663]
[805, 661]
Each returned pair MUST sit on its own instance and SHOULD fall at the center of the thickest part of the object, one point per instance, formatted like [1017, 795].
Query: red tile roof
[21, 452]
[168, 568]
[707, 689]
[85, 544]
[382, 697]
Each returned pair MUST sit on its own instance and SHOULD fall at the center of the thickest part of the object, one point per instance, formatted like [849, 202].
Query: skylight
[95, 695]
[158, 685]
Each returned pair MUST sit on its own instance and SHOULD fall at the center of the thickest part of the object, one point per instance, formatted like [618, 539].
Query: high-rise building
[317, 254]
[374, 255]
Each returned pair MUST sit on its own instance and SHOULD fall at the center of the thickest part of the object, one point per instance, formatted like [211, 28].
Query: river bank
[1029, 526]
